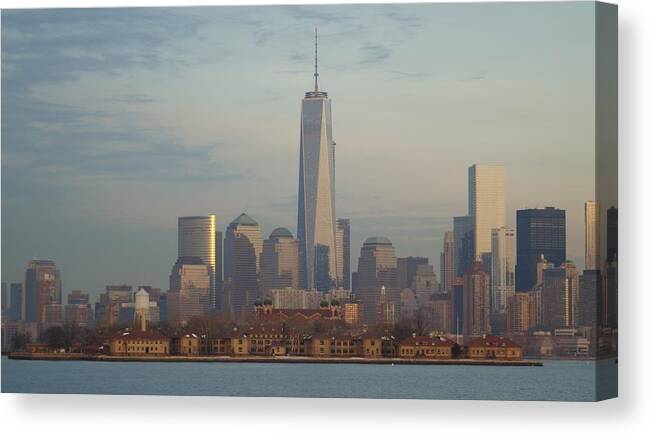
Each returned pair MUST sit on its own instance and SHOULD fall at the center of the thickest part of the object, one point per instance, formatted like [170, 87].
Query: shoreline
[268, 359]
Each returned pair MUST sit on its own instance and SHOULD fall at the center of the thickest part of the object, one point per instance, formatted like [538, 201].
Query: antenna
[316, 61]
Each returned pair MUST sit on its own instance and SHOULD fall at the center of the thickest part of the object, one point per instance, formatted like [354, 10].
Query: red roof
[491, 341]
[427, 341]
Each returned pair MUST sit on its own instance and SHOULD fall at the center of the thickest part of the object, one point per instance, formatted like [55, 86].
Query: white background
[628, 413]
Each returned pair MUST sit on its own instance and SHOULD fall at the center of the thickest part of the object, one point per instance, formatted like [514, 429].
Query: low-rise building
[426, 347]
[493, 347]
[140, 343]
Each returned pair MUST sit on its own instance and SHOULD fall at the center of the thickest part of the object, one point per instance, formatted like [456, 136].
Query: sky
[117, 121]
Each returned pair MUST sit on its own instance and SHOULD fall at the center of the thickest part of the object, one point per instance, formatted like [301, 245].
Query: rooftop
[281, 232]
[377, 241]
[244, 219]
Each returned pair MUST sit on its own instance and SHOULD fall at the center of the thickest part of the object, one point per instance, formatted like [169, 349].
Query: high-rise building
[590, 299]
[424, 284]
[279, 261]
[42, 288]
[77, 297]
[560, 296]
[447, 262]
[16, 298]
[502, 268]
[486, 203]
[464, 244]
[316, 184]
[476, 301]
[611, 234]
[189, 294]
[376, 269]
[406, 270]
[592, 242]
[5, 298]
[518, 320]
[343, 252]
[540, 232]
[219, 269]
[107, 310]
[198, 237]
[242, 252]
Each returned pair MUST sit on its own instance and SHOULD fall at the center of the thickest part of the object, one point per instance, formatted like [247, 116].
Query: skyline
[439, 192]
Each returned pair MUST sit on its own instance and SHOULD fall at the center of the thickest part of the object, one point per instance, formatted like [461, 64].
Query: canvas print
[412, 201]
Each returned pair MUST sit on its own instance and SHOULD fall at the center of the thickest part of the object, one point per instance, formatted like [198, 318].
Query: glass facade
[198, 238]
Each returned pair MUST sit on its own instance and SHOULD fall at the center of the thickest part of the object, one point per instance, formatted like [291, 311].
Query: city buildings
[464, 244]
[592, 239]
[424, 282]
[78, 309]
[242, 251]
[343, 252]
[447, 262]
[279, 262]
[198, 237]
[189, 294]
[502, 268]
[611, 234]
[540, 232]
[316, 186]
[377, 267]
[476, 301]
[42, 288]
[486, 203]
[560, 296]
[107, 310]
[406, 270]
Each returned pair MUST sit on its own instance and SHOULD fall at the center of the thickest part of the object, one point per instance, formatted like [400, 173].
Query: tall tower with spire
[316, 187]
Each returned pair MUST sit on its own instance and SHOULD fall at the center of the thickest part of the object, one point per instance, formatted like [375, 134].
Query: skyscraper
[540, 232]
[316, 183]
[560, 296]
[279, 262]
[486, 203]
[407, 268]
[376, 268]
[343, 252]
[502, 268]
[476, 301]
[16, 301]
[464, 244]
[189, 294]
[197, 237]
[447, 262]
[592, 242]
[242, 250]
[611, 234]
[42, 288]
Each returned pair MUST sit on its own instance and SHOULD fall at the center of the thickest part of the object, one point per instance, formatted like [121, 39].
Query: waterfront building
[316, 184]
[343, 253]
[376, 268]
[560, 296]
[189, 294]
[135, 343]
[502, 268]
[486, 203]
[464, 244]
[427, 347]
[406, 270]
[592, 239]
[42, 288]
[476, 301]
[492, 347]
[242, 252]
[198, 237]
[447, 262]
[279, 262]
[540, 232]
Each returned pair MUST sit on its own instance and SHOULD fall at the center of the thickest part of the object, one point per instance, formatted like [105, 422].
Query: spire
[316, 61]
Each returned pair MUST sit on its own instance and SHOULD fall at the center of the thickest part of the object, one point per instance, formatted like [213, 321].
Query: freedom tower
[316, 190]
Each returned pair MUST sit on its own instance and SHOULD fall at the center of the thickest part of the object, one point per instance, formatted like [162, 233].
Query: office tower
[486, 203]
[5, 298]
[438, 313]
[407, 268]
[107, 310]
[189, 294]
[343, 252]
[592, 228]
[518, 320]
[457, 304]
[77, 297]
[376, 268]
[609, 294]
[197, 237]
[219, 269]
[242, 251]
[78, 309]
[476, 301]
[323, 278]
[590, 299]
[502, 268]
[424, 284]
[464, 244]
[279, 261]
[15, 301]
[611, 234]
[541, 266]
[316, 184]
[560, 296]
[385, 313]
[447, 262]
[540, 232]
[42, 288]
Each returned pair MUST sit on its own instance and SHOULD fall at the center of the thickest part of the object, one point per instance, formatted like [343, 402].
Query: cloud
[372, 54]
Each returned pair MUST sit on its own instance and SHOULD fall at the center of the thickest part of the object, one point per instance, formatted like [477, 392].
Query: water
[556, 380]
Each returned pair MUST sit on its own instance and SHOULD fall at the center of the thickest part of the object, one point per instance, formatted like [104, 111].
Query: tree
[19, 341]
[55, 337]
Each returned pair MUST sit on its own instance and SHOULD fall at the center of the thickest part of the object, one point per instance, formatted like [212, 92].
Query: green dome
[244, 219]
[324, 303]
[281, 232]
[377, 241]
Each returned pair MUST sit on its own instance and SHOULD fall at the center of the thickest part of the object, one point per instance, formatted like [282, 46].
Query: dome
[377, 241]
[281, 232]
[244, 219]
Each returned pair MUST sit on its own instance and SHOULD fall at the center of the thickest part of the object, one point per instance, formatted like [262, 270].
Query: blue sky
[117, 121]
